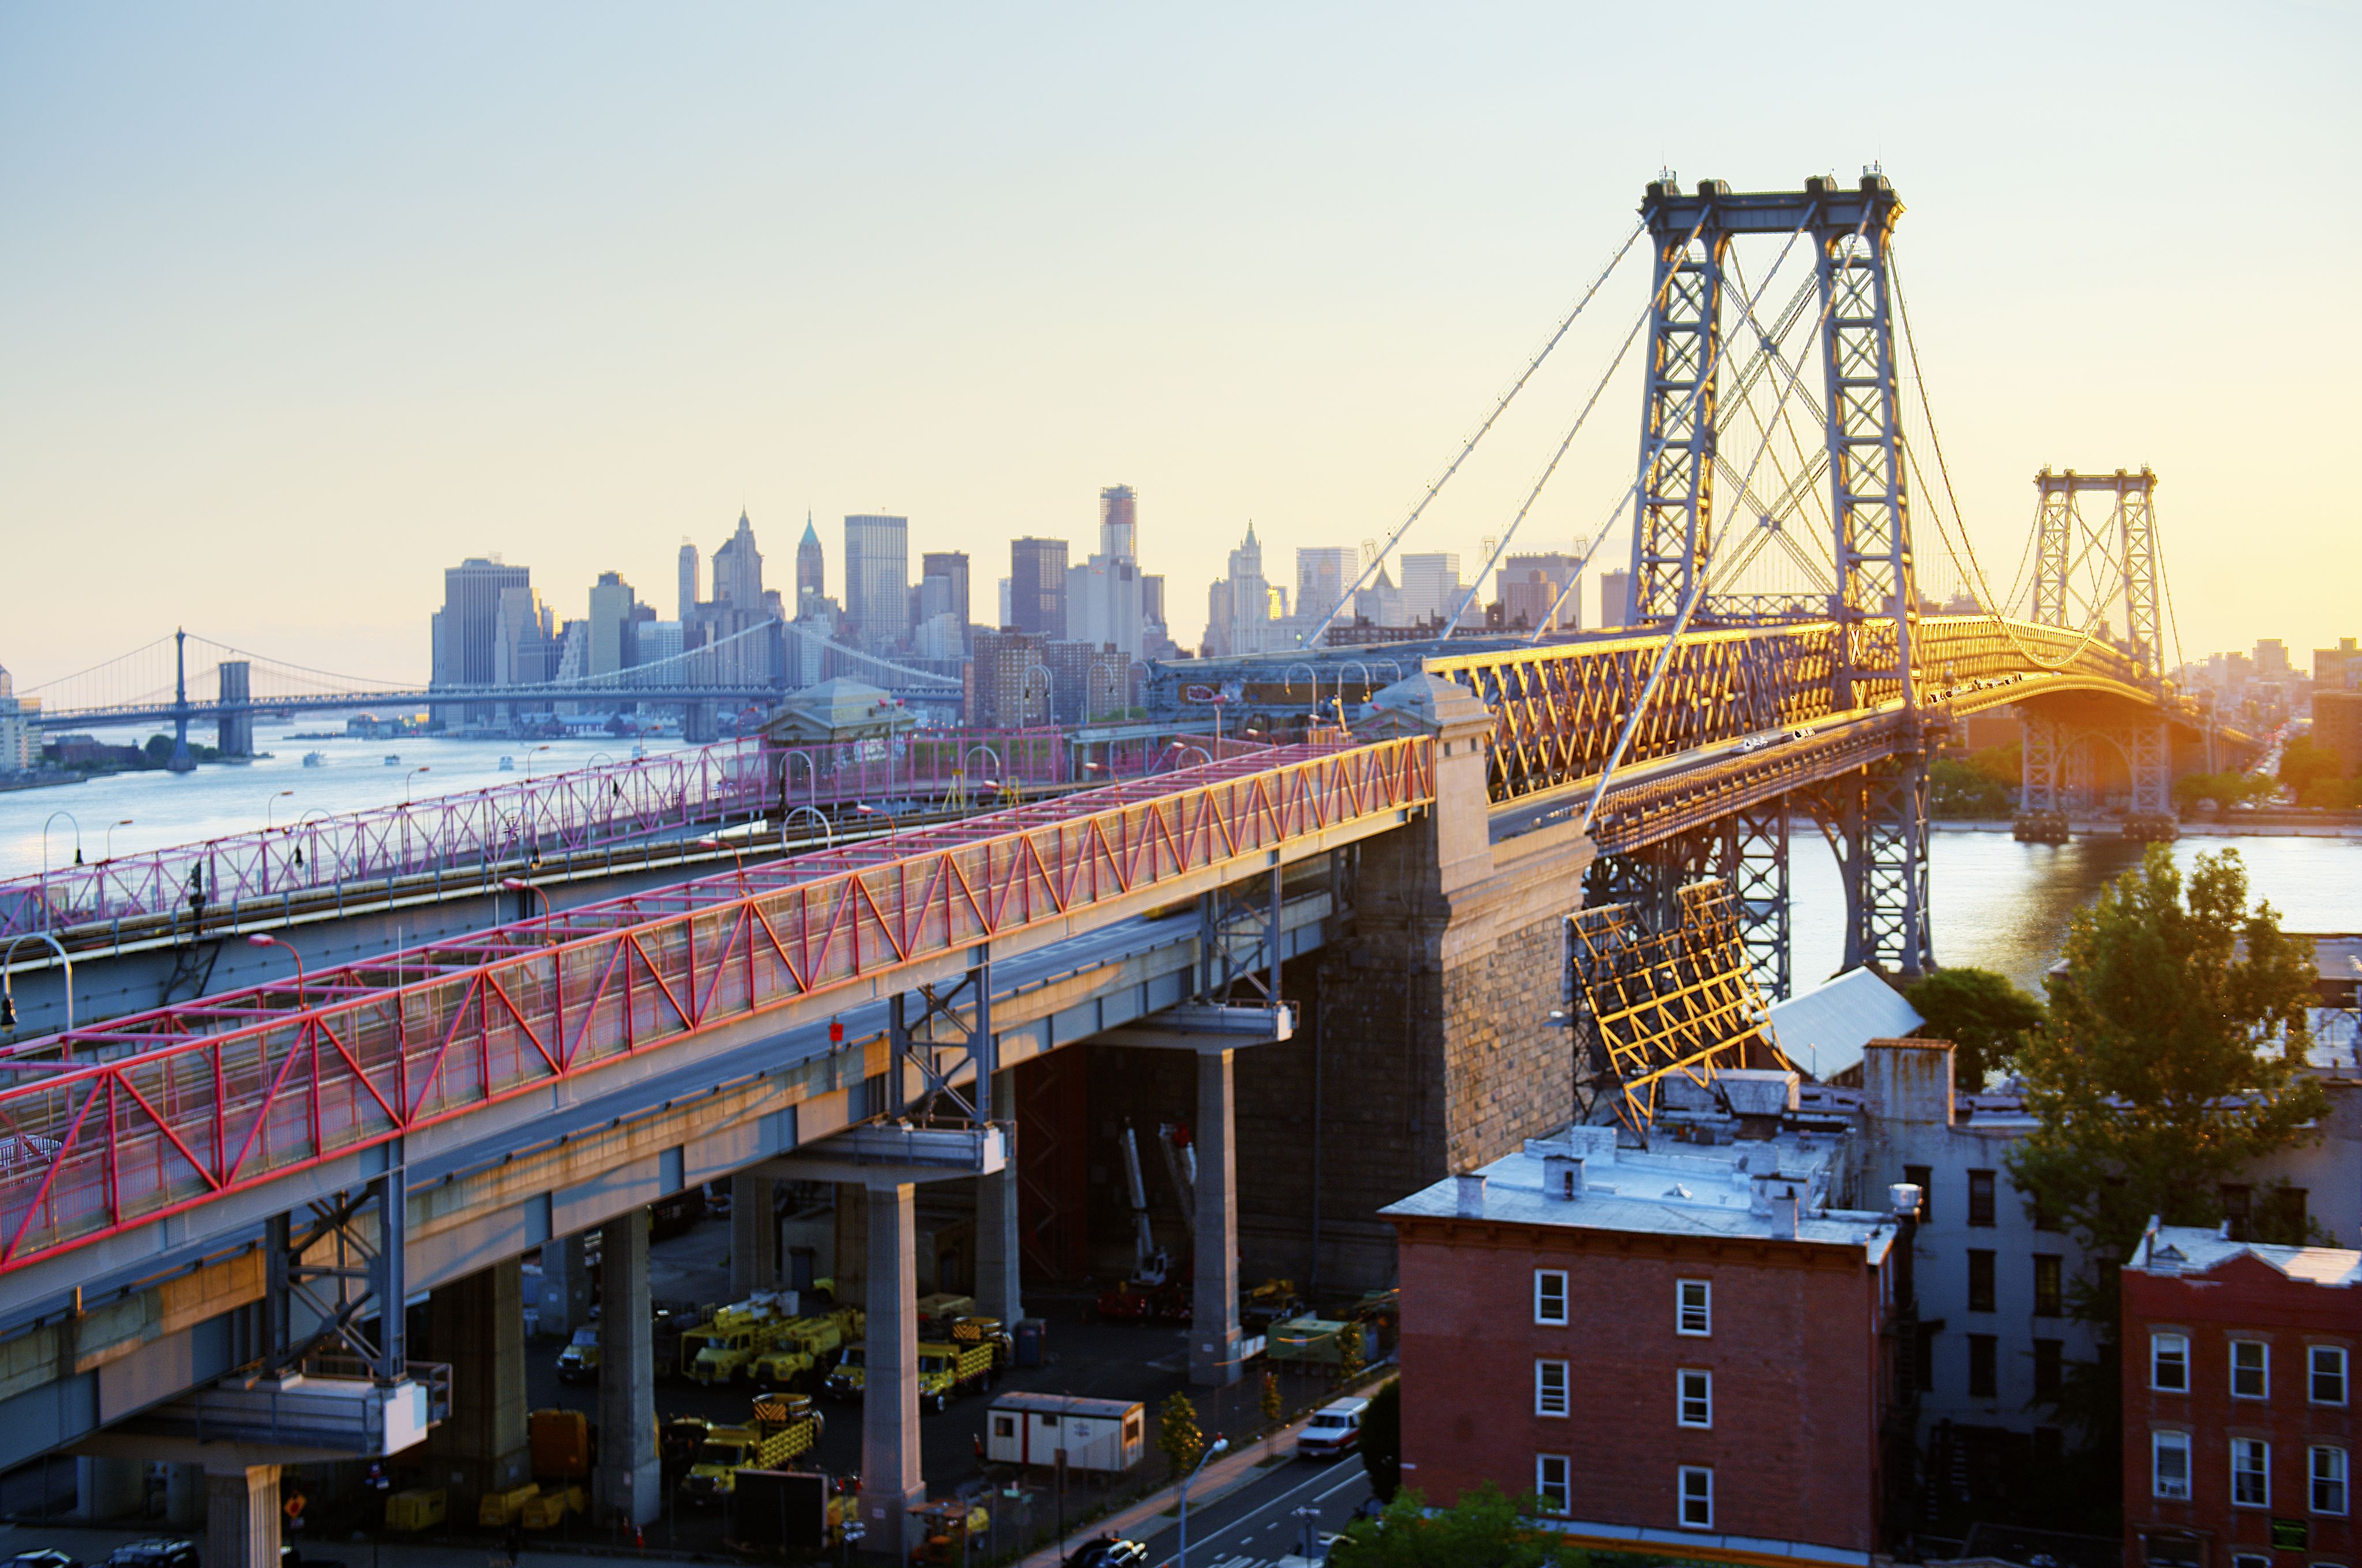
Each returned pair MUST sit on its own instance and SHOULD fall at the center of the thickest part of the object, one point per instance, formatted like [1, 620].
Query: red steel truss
[116, 1126]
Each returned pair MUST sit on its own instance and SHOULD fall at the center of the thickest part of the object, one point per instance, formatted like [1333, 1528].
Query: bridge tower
[2088, 565]
[182, 762]
[1674, 521]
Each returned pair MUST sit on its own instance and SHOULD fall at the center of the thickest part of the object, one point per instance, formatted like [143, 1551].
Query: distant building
[1532, 588]
[1616, 598]
[2337, 728]
[1009, 682]
[1323, 572]
[811, 566]
[654, 640]
[943, 590]
[1240, 608]
[1037, 587]
[20, 738]
[613, 619]
[1686, 1342]
[1087, 683]
[685, 594]
[2271, 659]
[467, 631]
[1380, 602]
[1430, 586]
[1107, 596]
[2238, 1401]
[2338, 669]
[877, 577]
[1119, 523]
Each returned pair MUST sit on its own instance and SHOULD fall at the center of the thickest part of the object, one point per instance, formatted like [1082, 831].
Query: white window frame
[2160, 1444]
[2257, 1448]
[1560, 1494]
[2262, 1369]
[1684, 1496]
[1693, 1387]
[1544, 1397]
[1544, 1277]
[2325, 1464]
[2160, 1348]
[2312, 1360]
[1703, 1313]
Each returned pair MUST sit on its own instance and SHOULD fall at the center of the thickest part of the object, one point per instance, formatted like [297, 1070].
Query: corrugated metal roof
[1824, 1030]
[1065, 1405]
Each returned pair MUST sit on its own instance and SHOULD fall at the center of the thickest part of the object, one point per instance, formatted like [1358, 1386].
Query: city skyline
[1309, 325]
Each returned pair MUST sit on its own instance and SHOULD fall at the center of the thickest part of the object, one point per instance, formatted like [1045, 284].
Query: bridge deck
[117, 1126]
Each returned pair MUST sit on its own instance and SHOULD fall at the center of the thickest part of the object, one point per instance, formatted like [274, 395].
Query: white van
[1335, 1432]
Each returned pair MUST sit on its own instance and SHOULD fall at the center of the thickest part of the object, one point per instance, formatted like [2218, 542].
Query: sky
[300, 304]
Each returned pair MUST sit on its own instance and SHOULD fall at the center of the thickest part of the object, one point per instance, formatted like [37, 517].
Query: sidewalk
[1220, 1476]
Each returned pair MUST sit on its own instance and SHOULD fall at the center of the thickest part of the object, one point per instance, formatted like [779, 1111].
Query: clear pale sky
[300, 305]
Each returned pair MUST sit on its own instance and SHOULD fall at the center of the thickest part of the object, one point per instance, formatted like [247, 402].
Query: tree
[2302, 761]
[1983, 1014]
[1957, 789]
[1483, 1529]
[1350, 1361]
[1177, 1437]
[1272, 1408]
[1382, 1439]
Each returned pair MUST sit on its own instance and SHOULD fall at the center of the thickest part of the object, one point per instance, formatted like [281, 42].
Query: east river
[1999, 904]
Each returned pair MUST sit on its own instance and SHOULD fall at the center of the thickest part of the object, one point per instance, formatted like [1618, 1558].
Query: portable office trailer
[1106, 1435]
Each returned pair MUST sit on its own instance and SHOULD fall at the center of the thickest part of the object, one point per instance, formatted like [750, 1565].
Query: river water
[1999, 904]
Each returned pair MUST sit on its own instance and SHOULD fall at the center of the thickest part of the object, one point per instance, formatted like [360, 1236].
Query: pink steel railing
[116, 1126]
[562, 813]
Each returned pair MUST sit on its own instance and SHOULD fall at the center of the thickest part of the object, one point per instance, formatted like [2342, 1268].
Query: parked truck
[728, 1450]
[850, 1375]
[947, 1370]
[806, 1349]
[579, 1362]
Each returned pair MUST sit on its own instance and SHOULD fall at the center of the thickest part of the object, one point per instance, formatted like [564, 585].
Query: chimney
[1562, 1177]
[1783, 1208]
[1471, 1194]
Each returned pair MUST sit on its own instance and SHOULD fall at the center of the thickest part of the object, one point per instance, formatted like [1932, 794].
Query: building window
[2168, 1465]
[2049, 1290]
[2044, 1216]
[1549, 1295]
[1923, 1179]
[1923, 1356]
[1981, 1379]
[1694, 1402]
[1981, 1281]
[2251, 1370]
[1693, 1306]
[2251, 1473]
[2049, 1367]
[1554, 1479]
[2325, 1383]
[2250, 1560]
[2327, 1468]
[2169, 1363]
[1697, 1497]
[1550, 1388]
[1981, 1198]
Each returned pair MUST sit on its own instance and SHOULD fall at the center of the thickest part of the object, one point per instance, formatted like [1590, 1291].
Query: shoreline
[2102, 828]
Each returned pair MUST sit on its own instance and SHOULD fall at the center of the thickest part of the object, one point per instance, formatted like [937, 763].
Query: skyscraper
[1119, 523]
[1037, 592]
[466, 629]
[738, 571]
[1239, 607]
[942, 584]
[1529, 587]
[877, 577]
[1430, 586]
[812, 568]
[1616, 598]
[686, 602]
[1323, 572]
[614, 611]
[1106, 598]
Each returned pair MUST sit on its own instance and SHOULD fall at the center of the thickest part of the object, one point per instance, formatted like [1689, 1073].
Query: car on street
[1109, 1551]
[1335, 1432]
[44, 1557]
[160, 1551]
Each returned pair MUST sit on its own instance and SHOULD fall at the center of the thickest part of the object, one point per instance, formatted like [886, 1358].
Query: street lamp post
[260, 939]
[53, 816]
[7, 977]
[827, 828]
[528, 760]
[519, 885]
[421, 768]
[108, 853]
[270, 805]
[1218, 1446]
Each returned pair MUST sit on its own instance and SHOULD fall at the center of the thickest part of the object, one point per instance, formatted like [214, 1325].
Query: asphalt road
[1258, 1524]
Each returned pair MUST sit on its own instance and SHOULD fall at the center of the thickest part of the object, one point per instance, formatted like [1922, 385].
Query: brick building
[1008, 681]
[1687, 1342]
[2238, 1402]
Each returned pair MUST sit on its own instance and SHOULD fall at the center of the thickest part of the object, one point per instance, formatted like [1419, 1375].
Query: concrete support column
[109, 1488]
[565, 1287]
[891, 1480]
[242, 1516]
[477, 1324]
[1214, 1306]
[184, 1495]
[631, 1477]
[999, 1291]
[754, 1234]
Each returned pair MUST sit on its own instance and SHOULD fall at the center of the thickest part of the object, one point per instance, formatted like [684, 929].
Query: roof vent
[1471, 1185]
[1562, 1177]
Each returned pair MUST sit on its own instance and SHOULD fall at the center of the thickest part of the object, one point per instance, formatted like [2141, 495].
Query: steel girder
[1878, 599]
[2060, 769]
[1746, 852]
[334, 1280]
[1672, 531]
[953, 1030]
[2067, 543]
[1876, 822]
[2038, 769]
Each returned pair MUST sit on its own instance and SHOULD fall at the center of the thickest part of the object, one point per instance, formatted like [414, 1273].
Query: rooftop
[2171, 1249]
[1775, 1187]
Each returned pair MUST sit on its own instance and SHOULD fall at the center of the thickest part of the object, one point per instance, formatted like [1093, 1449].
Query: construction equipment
[1150, 1265]
[579, 1362]
[945, 1529]
[416, 1508]
[559, 1442]
[937, 1311]
[548, 1508]
[1310, 1341]
[803, 1350]
[979, 1330]
[1180, 1152]
[730, 1333]
[728, 1450]
[498, 1510]
[1272, 1301]
[850, 1375]
[947, 1370]
[680, 1438]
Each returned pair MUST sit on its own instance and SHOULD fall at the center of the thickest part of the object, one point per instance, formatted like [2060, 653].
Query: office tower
[738, 571]
[1616, 598]
[1037, 576]
[1380, 602]
[524, 649]
[20, 737]
[942, 584]
[811, 574]
[613, 611]
[1322, 574]
[1008, 616]
[653, 639]
[466, 630]
[686, 601]
[877, 577]
[1119, 523]
[1431, 587]
[1155, 632]
[1529, 588]
[1238, 608]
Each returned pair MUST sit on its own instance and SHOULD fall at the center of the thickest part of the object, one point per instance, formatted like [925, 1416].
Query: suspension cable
[1516, 387]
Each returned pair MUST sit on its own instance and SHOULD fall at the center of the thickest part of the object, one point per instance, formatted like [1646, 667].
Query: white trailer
[1107, 1435]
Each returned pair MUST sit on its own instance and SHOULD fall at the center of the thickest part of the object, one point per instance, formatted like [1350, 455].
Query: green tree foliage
[2172, 1057]
[1958, 789]
[1177, 1437]
[1483, 1529]
[1980, 1013]
[2226, 789]
[1382, 1439]
[1350, 1364]
[2303, 763]
[1271, 1406]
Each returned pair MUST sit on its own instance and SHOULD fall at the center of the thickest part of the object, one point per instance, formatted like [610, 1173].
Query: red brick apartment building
[2239, 1402]
[1679, 1348]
